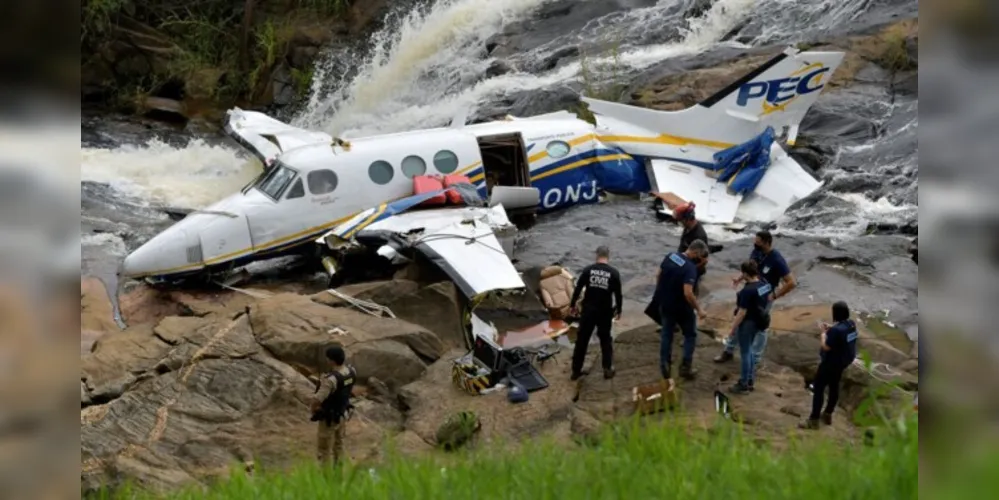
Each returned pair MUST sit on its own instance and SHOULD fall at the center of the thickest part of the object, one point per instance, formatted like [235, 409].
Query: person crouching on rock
[751, 318]
[839, 349]
[331, 404]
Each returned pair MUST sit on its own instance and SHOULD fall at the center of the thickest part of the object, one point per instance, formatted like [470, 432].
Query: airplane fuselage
[313, 182]
[310, 189]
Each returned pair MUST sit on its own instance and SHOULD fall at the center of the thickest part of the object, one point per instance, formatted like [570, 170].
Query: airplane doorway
[504, 161]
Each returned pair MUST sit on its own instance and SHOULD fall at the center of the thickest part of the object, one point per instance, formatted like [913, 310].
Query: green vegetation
[895, 56]
[220, 51]
[645, 460]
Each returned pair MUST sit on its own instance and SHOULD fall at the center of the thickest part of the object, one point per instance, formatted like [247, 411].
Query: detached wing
[461, 241]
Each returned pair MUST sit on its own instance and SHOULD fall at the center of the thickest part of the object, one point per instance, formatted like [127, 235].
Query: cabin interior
[504, 161]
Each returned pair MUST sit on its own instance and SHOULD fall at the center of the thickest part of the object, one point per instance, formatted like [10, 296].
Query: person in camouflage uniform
[331, 405]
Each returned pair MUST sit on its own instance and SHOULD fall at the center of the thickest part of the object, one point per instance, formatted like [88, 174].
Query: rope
[364, 305]
[258, 294]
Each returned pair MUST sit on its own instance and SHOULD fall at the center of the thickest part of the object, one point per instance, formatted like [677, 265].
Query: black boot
[740, 388]
[686, 371]
[724, 357]
[810, 424]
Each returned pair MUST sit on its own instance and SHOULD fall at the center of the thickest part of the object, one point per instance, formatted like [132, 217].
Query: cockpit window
[275, 183]
[297, 190]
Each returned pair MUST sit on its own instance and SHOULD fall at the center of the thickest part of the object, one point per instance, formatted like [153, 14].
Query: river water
[430, 62]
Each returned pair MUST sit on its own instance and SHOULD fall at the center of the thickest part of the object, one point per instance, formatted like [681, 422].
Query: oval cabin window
[445, 162]
[322, 182]
[413, 165]
[558, 149]
[381, 172]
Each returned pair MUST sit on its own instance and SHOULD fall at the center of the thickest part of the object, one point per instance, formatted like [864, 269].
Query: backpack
[763, 321]
[457, 430]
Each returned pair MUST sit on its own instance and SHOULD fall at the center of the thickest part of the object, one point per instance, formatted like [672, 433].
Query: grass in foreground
[650, 462]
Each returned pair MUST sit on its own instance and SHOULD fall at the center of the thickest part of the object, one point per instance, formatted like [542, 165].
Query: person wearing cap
[603, 284]
[693, 230]
[775, 271]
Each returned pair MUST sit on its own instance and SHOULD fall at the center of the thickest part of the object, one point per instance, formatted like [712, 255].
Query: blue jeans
[759, 345]
[688, 326]
[747, 335]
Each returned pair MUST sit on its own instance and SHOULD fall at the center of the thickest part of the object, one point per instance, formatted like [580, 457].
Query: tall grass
[654, 460]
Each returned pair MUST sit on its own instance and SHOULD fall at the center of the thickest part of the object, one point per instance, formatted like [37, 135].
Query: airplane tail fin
[777, 93]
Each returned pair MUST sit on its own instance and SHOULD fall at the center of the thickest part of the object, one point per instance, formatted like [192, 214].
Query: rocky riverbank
[200, 381]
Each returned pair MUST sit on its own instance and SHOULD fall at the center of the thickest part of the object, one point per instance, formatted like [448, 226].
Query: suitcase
[654, 398]
[450, 180]
[427, 184]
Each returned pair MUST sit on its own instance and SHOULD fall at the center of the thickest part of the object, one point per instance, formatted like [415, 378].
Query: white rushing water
[428, 65]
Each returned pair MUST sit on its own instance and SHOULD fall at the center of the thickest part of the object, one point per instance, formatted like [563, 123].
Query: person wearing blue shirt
[750, 318]
[775, 271]
[838, 351]
[677, 303]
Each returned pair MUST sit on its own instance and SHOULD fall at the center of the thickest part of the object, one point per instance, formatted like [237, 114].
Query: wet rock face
[178, 399]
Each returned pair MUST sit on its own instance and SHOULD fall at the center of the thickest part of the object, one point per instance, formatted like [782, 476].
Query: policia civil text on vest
[331, 406]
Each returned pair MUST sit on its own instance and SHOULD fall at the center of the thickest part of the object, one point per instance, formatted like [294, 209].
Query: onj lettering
[572, 194]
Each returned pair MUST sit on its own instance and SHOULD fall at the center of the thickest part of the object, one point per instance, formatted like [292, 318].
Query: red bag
[451, 180]
[427, 184]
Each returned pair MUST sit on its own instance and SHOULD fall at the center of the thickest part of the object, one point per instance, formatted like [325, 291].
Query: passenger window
[558, 149]
[413, 166]
[445, 161]
[297, 190]
[322, 182]
[381, 172]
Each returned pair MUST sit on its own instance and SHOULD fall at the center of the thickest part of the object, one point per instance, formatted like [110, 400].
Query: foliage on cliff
[203, 51]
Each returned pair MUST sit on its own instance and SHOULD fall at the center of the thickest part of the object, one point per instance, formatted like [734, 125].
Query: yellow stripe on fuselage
[276, 244]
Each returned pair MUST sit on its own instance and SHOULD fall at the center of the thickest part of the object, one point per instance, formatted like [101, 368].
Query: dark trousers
[601, 321]
[828, 375]
[688, 326]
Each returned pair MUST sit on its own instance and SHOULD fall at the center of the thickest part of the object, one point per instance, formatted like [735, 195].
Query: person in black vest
[774, 270]
[331, 404]
[693, 230]
[839, 349]
[602, 283]
[675, 299]
[750, 319]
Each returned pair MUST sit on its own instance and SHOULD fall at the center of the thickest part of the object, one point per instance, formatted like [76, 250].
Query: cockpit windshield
[274, 182]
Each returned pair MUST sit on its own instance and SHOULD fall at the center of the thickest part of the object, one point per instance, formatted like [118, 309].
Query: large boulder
[296, 329]
[436, 307]
[181, 401]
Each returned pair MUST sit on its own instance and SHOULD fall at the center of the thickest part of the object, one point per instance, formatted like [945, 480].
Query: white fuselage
[312, 183]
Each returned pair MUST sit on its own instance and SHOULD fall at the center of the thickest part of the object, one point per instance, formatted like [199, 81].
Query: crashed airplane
[723, 154]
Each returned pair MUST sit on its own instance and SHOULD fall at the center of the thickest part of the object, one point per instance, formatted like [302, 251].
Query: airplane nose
[167, 253]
